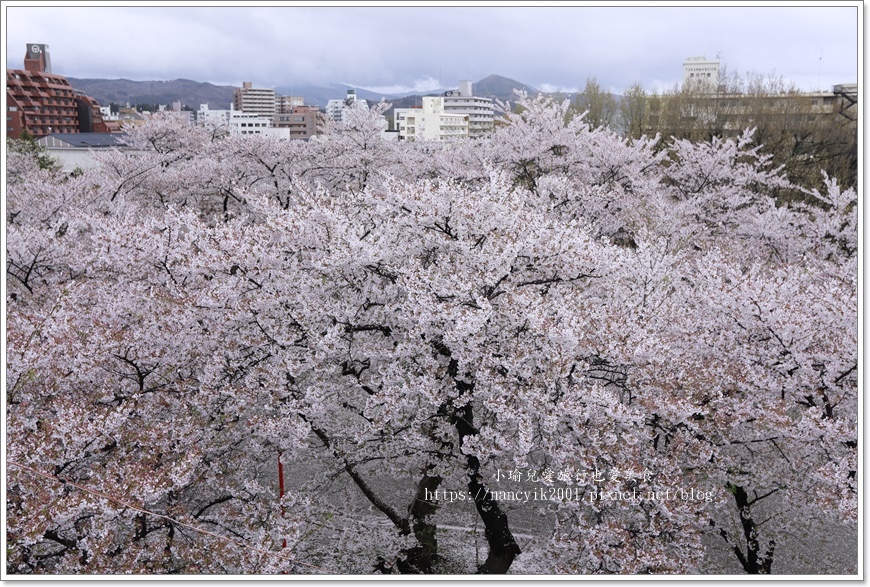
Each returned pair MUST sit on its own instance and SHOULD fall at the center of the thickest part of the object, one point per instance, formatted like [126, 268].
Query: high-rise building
[479, 110]
[43, 103]
[282, 126]
[254, 100]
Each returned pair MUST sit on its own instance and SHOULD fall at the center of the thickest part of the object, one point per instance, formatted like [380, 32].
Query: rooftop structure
[85, 140]
[76, 151]
[701, 72]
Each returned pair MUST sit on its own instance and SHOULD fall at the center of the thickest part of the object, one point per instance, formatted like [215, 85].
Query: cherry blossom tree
[416, 319]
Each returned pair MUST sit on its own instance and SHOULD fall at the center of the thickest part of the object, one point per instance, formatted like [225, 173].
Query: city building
[247, 123]
[43, 103]
[76, 150]
[206, 115]
[730, 113]
[480, 111]
[288, 117]
[130, 116]
[430, 122]
[254, 100]
[701, 73]
[335, 108]
[303, 122]
[240, 123]
[112, 121]
[286, 104]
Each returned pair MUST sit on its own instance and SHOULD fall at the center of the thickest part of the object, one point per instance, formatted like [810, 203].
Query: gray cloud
[401, 47]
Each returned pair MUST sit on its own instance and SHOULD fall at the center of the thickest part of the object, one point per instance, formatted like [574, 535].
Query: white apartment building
[430, 122]
[248, 123]
[241, 123]
[701, 72]
[479, 110]
[335, 108]
[213, 117]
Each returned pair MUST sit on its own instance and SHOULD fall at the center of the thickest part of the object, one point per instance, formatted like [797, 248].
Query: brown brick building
[303, 121]
[45, 103]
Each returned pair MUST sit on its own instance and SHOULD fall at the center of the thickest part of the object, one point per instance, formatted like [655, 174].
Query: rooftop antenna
[819, 75]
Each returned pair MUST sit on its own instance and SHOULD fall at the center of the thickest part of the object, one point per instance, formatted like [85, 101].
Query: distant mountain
[320, 95]
[501, 88]
[192, 93]
[122, 91]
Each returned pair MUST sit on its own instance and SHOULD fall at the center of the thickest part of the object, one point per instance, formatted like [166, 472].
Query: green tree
[26, 145]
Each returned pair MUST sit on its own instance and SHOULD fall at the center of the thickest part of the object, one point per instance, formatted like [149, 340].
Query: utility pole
[281, 492]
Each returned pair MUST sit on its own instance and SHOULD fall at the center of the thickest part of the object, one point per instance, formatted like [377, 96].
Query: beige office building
[254, 100]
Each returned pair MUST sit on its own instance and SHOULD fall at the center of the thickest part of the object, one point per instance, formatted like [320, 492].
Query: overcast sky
[401, 48]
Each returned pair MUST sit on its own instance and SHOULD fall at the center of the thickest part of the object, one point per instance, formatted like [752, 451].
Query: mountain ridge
[193, 93]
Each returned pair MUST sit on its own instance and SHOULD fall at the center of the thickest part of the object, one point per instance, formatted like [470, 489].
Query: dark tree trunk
[754, 561]
[503, 549]
[421, 558]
